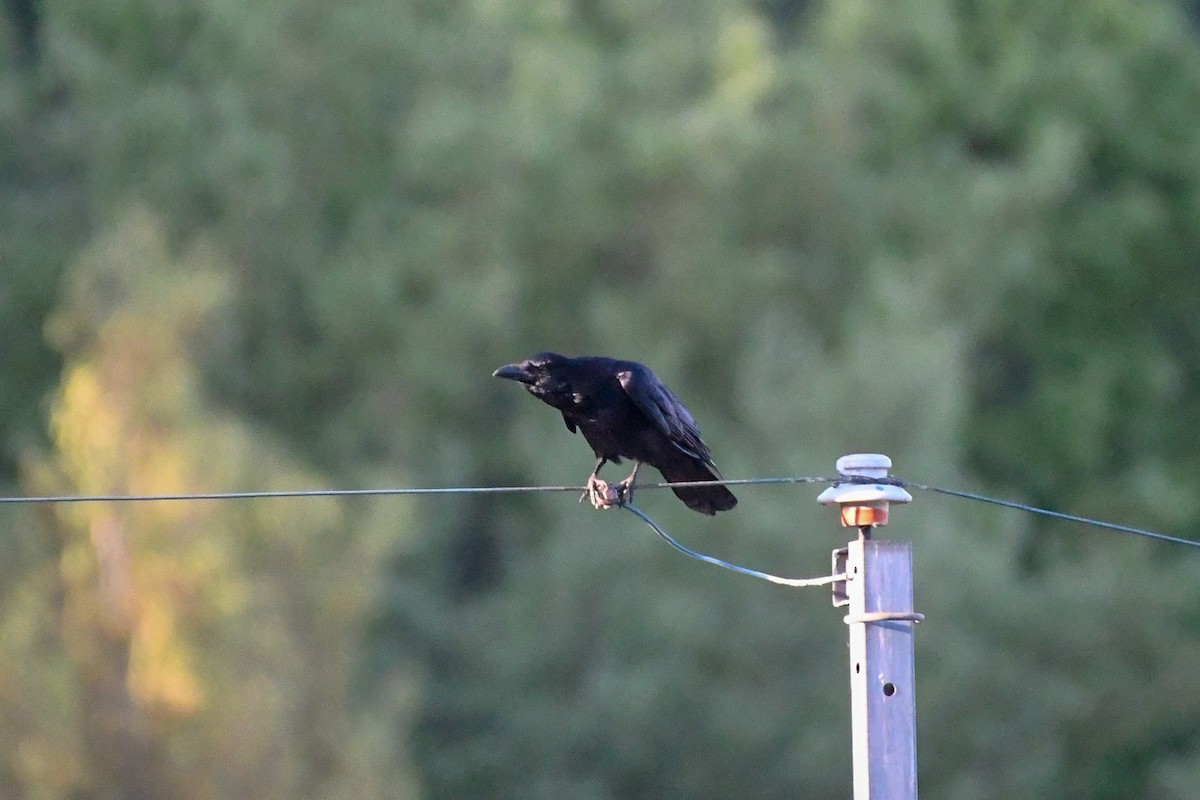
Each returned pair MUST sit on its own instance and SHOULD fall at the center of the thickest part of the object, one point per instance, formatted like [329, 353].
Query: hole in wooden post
[889, 689]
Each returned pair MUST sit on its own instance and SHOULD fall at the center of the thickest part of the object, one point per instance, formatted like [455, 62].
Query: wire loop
[824, 580]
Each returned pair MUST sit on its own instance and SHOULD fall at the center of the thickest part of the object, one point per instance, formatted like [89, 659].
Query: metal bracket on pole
[878, 592]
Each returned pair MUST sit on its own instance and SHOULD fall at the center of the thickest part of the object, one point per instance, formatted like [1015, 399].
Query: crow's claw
[624, 490]
[601, 495]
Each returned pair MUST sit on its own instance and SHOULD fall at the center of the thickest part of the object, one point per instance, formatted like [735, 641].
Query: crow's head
[546, 375]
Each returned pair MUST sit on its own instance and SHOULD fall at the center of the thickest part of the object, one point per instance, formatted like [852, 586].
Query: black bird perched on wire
[625, 411]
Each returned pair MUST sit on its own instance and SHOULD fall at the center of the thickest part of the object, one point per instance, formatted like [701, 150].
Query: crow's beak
[515, 372]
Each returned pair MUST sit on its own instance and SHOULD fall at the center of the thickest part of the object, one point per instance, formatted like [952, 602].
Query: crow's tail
[705, 499]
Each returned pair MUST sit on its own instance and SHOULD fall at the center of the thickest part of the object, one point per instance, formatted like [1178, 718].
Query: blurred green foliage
[282, 245]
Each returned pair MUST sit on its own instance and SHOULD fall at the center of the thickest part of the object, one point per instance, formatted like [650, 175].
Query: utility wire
[380, 492]
[458, 490]
[271, 495]
[1045, 512]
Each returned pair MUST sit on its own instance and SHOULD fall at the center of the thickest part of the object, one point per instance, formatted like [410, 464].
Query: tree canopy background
[283, 245]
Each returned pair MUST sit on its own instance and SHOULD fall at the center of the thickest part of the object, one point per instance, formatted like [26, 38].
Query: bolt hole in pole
[889, 689]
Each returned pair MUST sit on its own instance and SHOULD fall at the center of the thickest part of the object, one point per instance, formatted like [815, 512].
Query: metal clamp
[883, 616]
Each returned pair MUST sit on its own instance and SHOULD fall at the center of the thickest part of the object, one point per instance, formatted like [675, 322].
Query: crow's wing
[663, 409]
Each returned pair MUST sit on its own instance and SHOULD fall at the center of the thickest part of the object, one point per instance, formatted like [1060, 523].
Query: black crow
[625, 411]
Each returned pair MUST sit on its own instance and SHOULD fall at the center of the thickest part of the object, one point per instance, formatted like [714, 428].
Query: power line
[293, 493]
[379, 492]
[461, 490]
[1045, 512]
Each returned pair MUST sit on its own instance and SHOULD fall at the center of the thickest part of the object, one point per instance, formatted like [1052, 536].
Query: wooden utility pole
[878, 592]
